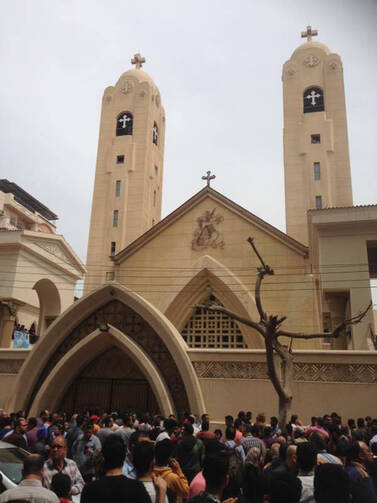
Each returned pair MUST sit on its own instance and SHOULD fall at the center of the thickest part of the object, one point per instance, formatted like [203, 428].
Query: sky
[218, 67]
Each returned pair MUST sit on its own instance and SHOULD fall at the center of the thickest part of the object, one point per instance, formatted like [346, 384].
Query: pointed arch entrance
[111, 316]
[211, 277]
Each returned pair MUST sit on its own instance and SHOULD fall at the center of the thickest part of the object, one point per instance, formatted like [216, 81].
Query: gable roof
[193, 201]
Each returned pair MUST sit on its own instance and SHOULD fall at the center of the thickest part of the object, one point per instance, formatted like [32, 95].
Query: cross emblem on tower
[312, 96]
[309, 33]
[123, 120]
[208, 178]
[138, 61]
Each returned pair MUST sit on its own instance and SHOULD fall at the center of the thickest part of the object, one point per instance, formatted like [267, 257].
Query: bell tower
[316, 156]
[128, 180]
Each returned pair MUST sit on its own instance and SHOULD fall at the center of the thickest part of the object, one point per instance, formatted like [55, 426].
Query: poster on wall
[21, 340]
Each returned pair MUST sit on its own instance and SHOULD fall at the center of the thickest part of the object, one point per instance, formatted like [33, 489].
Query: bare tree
[269, 328]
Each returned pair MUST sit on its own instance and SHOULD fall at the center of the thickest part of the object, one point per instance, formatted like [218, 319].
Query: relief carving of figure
[206, 235]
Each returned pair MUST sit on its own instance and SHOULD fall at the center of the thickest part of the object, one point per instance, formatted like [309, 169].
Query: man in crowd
[106, 430]
[30, 488]
[307, 461]
[358, 457]
[169, 469]
[170, 427]
[18, 436]
[215, 473]
[114, 486]
[331, 484]
[59, 463]
[251, 439]
[84, 450]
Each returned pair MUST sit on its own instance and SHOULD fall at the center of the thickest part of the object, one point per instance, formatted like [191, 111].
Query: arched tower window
[125, 123]
[155, 134]
[313, 100]
[206, 329]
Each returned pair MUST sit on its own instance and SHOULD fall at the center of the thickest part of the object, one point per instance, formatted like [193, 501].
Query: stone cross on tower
[138, 61]
[208, 177]
[309, 33]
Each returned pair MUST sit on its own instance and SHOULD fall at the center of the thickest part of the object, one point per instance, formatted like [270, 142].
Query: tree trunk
[285, 405]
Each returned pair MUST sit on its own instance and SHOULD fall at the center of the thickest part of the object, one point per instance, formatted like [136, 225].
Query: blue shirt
[129, 469]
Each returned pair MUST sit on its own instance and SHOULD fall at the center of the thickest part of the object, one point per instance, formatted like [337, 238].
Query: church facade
[140, 337]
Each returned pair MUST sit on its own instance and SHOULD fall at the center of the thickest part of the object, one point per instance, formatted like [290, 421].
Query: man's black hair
[306, 456]
[113, 452]
[229, 418]
[230, 433]
[215, 470]
[284, 487]
[254, 430]
[33, 465]
[134, 438]
[188, 429]
[318, 441]
[107, 421]
[205, 426]
[274, 420]
[163, 451]
[218, 432]
[267, 430]
[353, 451]
[32, 421]
[360, 422]
[331, 484]
[170, 424]
[142, 457]
[214, 446]
[80, 420]
[61, 485]
[238, 422]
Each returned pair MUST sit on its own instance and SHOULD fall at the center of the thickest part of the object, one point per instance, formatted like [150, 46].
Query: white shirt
[162, 436]
[151, 490]
[307, 493]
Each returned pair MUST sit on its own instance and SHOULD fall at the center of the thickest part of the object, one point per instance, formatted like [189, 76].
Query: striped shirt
[70, 468]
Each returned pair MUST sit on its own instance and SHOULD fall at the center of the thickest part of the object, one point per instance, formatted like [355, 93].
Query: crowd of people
[147, 458]
[23, 337]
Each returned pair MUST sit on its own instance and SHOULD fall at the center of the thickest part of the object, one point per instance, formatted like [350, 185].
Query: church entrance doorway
[111, 382]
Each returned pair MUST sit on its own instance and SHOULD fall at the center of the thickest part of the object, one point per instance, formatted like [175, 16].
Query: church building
[139, 339]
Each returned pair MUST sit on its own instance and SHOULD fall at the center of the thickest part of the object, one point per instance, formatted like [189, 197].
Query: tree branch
[354, 320]
[241, 319]
[262, 271]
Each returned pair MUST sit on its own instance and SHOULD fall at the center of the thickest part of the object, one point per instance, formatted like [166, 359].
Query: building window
[318, 202]
[115, 218]
[117, 188]
[317, 171]
[112, 248]
[316, 138]
[120, 159]
[156, 170]
[206, 329]
[154, 198]
[155, 134]
[124, 125]
[313, 100]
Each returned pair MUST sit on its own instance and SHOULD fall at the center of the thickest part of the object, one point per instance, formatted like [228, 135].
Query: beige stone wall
[140, 176]
[312, 64]
[167, 265]
[339, 244]
[324, 382]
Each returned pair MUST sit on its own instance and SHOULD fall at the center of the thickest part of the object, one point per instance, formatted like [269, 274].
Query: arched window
[155, 134]
[125, 123]
[313, 100]
[206, 329]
